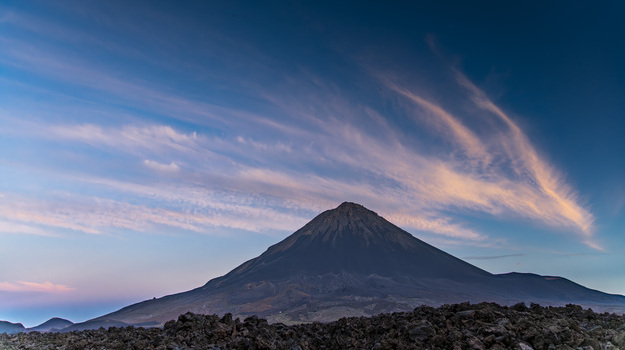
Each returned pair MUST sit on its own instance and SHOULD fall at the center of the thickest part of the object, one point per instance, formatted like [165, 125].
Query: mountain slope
[350, 261]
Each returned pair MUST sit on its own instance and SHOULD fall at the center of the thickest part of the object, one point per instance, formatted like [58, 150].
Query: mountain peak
[345, 206]
[350, 239]
[352, 209]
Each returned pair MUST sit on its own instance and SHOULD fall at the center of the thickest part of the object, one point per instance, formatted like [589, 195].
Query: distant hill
[96, 324]
[54, 324]
[349, 261]
[10, 328]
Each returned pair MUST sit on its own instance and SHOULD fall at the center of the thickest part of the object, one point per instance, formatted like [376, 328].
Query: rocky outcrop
[459, 326]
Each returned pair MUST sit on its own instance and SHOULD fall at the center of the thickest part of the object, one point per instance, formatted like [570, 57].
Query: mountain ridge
[349, 261]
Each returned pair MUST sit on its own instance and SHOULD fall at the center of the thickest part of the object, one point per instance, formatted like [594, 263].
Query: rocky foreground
[459, 326]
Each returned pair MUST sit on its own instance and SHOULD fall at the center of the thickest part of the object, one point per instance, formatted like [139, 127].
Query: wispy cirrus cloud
[299, 148]
[21, 213]
[276, 146]
[534, 190]
[492, 257]
[528, 163]
[426, 183]
[446, 123]
[139, 139]
[437, 224]
[171, 167]
[95, 215]
[40, 287]
[22, 228]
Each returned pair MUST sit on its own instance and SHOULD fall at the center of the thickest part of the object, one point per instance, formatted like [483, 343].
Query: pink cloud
[323, 130]
[446, 123]
[526, 160]
[24, 286]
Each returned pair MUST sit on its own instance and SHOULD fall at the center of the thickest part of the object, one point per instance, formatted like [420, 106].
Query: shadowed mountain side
[350, 239]
[350, 262]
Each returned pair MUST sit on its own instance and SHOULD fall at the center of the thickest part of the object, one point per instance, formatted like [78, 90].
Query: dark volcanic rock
[458, 326]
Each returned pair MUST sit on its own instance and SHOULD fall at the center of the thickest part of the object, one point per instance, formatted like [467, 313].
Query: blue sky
[147, 147]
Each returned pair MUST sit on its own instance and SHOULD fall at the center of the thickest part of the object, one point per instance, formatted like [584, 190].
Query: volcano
[349, 261]
[351, 240]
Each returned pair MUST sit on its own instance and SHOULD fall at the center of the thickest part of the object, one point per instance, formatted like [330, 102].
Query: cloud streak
[527, 162]
[171, 167]
[21, 228]
[492, 257]
[152, 139]
[105, 216]
[446, 123]
[44, 287]
[535, 191]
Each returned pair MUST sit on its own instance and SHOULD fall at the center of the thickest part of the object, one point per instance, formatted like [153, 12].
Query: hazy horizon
[147, 147]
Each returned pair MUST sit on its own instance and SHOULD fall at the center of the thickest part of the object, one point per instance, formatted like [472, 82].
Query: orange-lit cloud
[446, 123]
[528, 162]
[24, 286]
[437, 224]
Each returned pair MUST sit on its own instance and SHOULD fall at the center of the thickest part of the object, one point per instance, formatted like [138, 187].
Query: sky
[147, 147]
